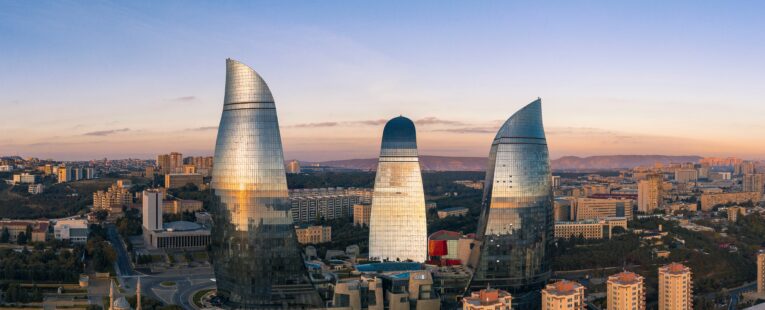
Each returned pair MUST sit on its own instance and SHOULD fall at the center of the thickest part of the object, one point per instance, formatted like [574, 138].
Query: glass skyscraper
[398, 227]
[255, 254]
[515, 230]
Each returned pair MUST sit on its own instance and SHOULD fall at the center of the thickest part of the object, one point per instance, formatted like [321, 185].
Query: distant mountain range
[445, 163]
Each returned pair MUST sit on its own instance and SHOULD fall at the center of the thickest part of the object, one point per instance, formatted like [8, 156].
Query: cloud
[469, 130]
[315, 125]
[204, 128]
[437, 121]
[185, 98]
[105, 132]
[376, 122]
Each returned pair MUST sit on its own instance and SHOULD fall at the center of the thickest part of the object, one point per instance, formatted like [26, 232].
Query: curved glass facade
[398, 227]
[515, 230]
[256, 257]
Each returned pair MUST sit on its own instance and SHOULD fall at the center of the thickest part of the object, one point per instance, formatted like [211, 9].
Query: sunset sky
[84, 80]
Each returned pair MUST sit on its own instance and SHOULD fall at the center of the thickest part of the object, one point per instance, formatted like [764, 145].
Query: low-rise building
[178, 235]
[25, 178]
[74, 230]
[313, 234]
[456, 211]
[178, 206]
[450, 247]
[563, 295]
[709, 201]
[589, 229]
[178, 180]
[488, 299]
[35, 189]
[590, 208]
[15, 228]
[113, 199]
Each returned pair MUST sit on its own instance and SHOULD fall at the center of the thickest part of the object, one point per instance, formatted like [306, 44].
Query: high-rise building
[152, 209]
[563, 295]
[515, 230]
[312, 204]
[650, 193]
[398, 227]
[675, 287]
[170, 163]
[761, 272]
[745, 167]
[256, 257]
[686, 175]
[754, 182]
[361, 214]
[625, 291]
[113, 199]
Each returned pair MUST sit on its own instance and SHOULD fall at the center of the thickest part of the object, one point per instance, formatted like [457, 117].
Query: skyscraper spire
[398, 226]
[256, 257]
[514, 238]
[111, 294]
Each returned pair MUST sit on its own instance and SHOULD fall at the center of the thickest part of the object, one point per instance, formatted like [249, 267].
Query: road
[188, 281]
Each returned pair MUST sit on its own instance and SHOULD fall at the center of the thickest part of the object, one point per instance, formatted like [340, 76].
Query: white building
[35, 189]
[74, 230]
[152, 210]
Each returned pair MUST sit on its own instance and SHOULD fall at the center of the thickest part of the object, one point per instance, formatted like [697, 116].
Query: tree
[22, 238]
[5, 236]
[29, 233]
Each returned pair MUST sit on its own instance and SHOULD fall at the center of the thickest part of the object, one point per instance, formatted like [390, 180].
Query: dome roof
[399, 138]
[121, 304]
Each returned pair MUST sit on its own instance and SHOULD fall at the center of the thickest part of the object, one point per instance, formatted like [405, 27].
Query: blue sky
[81, 80]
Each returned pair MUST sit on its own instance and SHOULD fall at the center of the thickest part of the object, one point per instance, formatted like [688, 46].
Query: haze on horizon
[86, 80]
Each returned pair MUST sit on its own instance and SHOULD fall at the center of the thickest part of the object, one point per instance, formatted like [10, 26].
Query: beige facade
[592, 208]
[563, 295]
[16, 227]
[625, 291]
[650, 193]
[312, 204]
[754, 182]
[361, 214]
[589, 229]
[761, 272]
[313, 234]
[177, 180]
[734, 213]
[170, 163]
[686, 175]
[113, 199]
[488, 299]
[675, 287]
[709, 201]
[178, 206]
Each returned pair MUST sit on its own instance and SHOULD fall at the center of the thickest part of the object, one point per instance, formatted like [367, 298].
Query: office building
[650, 195]
[178, 180]
[256, 257]
[515, 230]
[74, 230]
[625, 291]
[312, 204]
[563, 295]
[563, 209]
[675, 287]
[178, 206]
[754, 182]
[152, 209]
[589, 229]
[488, 299]
[178, 235]
[398, 228]
[313, 234]
[686, 175]
[709, 201]
[761, 272]
[362, 214]
[593, 209]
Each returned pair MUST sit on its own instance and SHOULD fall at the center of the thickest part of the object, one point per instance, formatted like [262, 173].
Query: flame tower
[398, 227]
[515, 230]
[256, 257]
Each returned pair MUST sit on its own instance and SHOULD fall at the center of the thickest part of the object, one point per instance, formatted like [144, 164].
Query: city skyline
[127, 79]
